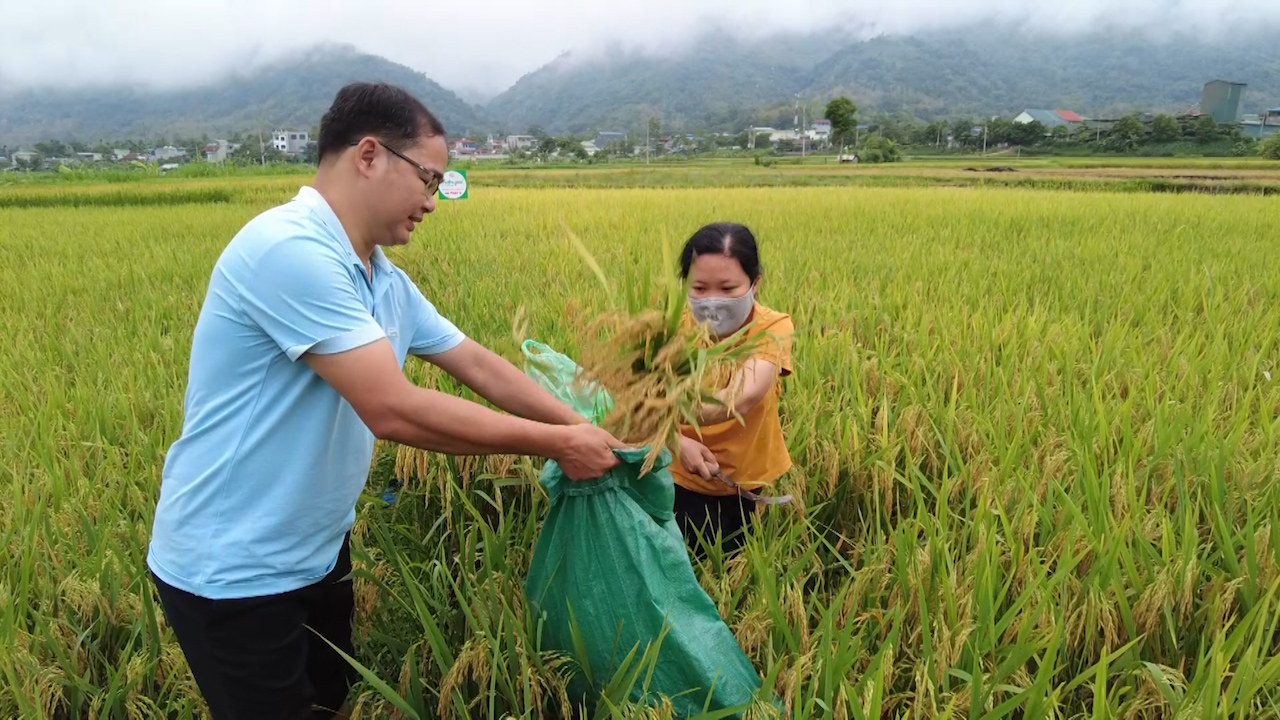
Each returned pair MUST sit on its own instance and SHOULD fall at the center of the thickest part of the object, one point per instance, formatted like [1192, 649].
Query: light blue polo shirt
[259, 490]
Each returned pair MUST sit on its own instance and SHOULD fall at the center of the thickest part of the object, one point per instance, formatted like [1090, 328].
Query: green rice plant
[1034, 437]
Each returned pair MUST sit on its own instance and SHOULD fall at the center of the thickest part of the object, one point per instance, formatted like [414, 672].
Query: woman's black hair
[723, 238]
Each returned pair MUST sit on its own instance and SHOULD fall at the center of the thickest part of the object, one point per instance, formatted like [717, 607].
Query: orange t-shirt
[751, 452]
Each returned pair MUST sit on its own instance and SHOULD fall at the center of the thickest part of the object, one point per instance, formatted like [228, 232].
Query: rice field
[1036, 436]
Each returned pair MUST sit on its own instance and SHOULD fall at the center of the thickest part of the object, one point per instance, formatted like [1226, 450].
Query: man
[296, 366]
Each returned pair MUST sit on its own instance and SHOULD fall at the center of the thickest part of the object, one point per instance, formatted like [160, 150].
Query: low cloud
[486, 46]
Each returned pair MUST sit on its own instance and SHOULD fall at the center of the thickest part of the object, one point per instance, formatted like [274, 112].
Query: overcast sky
[488, 44]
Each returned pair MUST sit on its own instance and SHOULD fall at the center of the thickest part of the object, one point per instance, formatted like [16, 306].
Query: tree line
[879, 138]
[1129, 134]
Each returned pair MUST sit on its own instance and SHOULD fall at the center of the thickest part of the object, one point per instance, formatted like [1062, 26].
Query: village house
[218, 150]
[1261, 126]
[521, 142]
[290, 142]
[1050, 118]
[606, 138]
[168, 152]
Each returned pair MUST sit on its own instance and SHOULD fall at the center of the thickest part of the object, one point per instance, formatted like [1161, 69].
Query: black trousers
[730, 516]
[260, 657]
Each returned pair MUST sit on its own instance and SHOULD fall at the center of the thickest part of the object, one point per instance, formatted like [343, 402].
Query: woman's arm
[749, 385]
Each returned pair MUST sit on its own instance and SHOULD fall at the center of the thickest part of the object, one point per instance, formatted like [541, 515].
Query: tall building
[1221, 99]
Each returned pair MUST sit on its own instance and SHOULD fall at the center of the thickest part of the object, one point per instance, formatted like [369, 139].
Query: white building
[218, 150]
[168, 152]
[290, 142]
[521, 142]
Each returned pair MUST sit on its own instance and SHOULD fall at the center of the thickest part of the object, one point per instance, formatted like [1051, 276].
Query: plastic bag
[611, 560]
[559, 375]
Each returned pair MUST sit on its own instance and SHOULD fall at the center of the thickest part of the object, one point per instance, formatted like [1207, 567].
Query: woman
[722, 266]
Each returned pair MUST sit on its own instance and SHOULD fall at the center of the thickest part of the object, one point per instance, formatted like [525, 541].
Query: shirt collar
[380, 261]
[312, 199]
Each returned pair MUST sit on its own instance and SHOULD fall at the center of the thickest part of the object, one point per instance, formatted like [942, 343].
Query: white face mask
[725, 315]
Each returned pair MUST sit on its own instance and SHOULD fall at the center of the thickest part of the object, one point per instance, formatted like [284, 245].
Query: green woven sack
[612, 585]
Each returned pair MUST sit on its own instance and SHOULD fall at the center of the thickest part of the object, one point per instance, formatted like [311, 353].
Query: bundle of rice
[658, 368]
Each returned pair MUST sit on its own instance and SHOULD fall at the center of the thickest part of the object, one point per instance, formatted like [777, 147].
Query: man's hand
[587, 452]
[697, 459]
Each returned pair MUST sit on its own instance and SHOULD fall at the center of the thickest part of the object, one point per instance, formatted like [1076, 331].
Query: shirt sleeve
[775, 344]
[303, 297]
[433, 333]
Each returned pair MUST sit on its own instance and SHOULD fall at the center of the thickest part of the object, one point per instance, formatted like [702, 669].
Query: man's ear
[365, 156]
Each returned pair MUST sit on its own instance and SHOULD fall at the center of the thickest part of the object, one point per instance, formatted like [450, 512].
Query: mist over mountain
[292, 92]
[715, 80]
[725, 83]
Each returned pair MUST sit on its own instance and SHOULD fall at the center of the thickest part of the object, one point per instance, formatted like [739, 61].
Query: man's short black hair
[381, 110]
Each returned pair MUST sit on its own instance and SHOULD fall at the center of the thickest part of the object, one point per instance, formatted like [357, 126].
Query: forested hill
[289, 93]
[719, 82]
[989, 73]
[723, 83]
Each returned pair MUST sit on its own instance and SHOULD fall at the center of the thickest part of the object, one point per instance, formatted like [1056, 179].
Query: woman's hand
[697, 459]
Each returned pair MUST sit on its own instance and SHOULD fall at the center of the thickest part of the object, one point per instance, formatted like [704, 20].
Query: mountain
[723, 83]
[293, 92]
[474, 95]
[988, 72]
[718, 80]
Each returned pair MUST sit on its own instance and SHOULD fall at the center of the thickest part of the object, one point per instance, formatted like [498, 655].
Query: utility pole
[801, 126]
[804, 129]
[262, 148]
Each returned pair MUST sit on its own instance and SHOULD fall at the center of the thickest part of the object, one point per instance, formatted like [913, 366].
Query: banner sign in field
[454, 185]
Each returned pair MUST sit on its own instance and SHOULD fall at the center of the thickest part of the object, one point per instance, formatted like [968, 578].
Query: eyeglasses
[429, 186]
